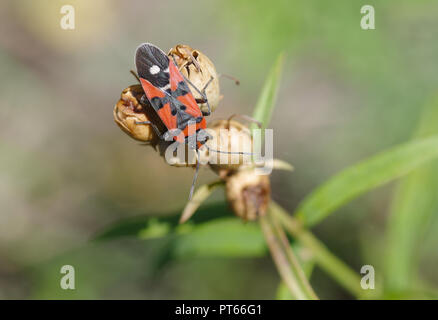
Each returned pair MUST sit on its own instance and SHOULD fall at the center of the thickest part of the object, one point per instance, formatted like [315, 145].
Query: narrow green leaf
[147, 225]
[326, 260]
[228, 237]
[365, 176]
[414, 203]
[307, 262]
[155, 229]
[207, 234]
[266, 102]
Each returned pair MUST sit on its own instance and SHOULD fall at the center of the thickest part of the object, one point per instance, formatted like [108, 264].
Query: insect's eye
[209, 136]
[203, 135]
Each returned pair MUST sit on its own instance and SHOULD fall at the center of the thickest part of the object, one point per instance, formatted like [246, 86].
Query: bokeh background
[67, 171]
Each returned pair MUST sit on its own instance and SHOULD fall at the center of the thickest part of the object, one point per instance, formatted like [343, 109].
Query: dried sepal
[128, 112]
[201, 194]
[248, 193]
[278, 164]
[199, 69]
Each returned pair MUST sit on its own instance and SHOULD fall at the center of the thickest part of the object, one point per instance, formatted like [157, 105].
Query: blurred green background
[67, 171]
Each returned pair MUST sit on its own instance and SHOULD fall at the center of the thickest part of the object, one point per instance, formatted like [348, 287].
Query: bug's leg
[153, 127]
[245, 117]
[135, 75]
[200, 100]
[195, 177]
[202, 94]
[206, 85]
[205, 97]
[144, 100]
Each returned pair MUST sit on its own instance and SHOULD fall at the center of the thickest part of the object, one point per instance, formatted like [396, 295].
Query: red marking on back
[192, 107]
[188, 100]
[165, 113]
[175, 76]
[166, 116]
[150, 90]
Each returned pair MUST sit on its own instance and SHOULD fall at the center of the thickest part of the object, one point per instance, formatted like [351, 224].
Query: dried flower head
[228, 136]
[128, 112]
[248, 193]
[199, 69]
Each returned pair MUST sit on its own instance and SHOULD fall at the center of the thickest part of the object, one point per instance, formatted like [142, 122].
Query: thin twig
[292, 258]
[341, 272]
[281, 261]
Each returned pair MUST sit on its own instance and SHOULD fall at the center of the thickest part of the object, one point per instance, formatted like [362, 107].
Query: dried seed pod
[128, 111]
[228, 136]
[199, 69]
[248, 193]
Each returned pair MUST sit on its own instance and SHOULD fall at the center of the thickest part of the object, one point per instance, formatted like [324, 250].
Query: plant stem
[281, 261]
[342, 273]
[292, 258]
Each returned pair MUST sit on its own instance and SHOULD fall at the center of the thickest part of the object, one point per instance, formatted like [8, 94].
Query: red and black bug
[169, 94]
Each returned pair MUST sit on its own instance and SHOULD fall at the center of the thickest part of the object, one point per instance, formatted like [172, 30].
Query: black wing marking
[153, 65]
[176, 107]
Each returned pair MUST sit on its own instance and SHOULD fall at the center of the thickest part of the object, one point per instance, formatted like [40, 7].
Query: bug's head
[202, 136]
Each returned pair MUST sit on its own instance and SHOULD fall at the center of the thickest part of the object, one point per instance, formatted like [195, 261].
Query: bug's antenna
[230, 152]
[237, 81]
[192, 188]
[135, 75]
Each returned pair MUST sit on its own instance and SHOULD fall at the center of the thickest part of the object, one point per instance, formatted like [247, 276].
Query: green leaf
[208, 233]
[414, 203]
[365, 176]
[155, 229]
[283, 292]
[145, 226]
[266, 102]
[227, 237]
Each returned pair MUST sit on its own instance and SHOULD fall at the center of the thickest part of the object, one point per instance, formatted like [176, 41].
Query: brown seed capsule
[128, 111]
[248, 193]
[228, 136]
[199, 69]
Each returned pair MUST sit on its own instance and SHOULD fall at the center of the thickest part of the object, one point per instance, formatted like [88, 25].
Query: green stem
[341, 272]
[292, 258]
[280, 259]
